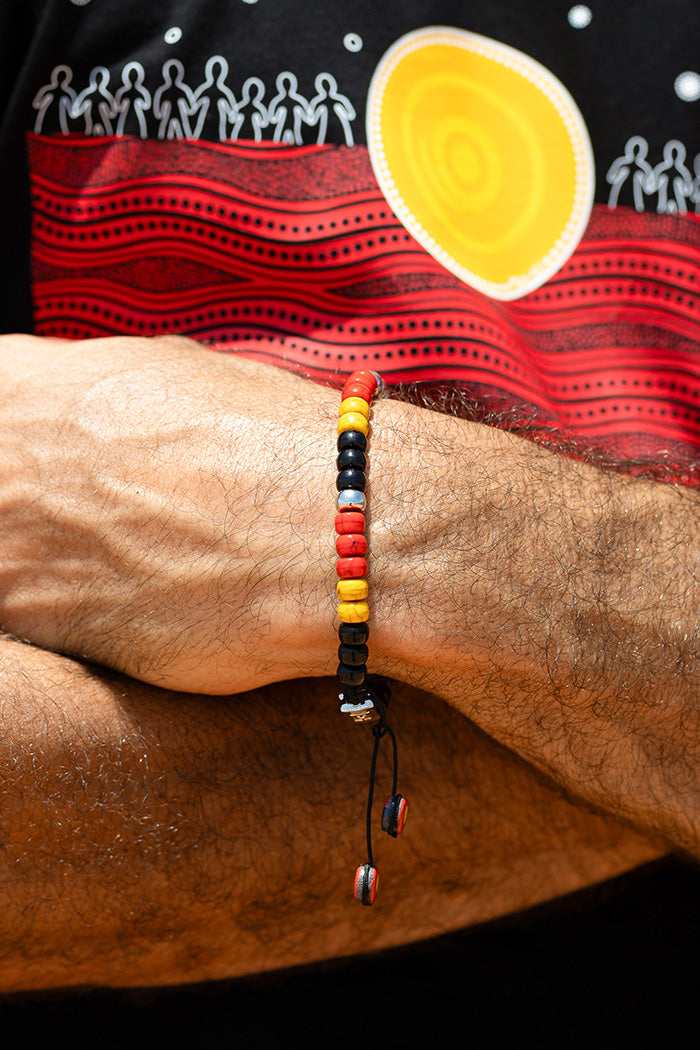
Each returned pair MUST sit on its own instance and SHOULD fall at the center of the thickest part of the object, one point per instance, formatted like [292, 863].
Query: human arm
[158, 838]
[563, 602]
[552, 603]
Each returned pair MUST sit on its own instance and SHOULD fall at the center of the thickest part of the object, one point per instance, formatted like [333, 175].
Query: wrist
[520, 571]
[423, 484]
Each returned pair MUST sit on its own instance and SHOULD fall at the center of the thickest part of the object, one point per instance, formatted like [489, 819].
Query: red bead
[351, 568]
[365, 377]
[362, 390]
[365, 888]
[351, 543]
[357, 379]
[349, 521]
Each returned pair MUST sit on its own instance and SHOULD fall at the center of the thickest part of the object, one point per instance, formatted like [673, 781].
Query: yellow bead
[355, 404]
[352, 590]
[353, 612]
[353, 421]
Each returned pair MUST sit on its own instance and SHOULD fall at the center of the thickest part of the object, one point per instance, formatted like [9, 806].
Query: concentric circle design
[483, 155]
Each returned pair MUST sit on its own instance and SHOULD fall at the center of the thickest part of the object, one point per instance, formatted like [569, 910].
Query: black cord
[378, 732]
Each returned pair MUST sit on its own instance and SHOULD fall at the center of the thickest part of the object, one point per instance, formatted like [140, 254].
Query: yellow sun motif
[483, 156]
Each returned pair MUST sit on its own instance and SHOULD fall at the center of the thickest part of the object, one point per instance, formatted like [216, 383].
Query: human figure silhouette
[215, 87]
[132, 100]
[174, 105]
[672, 180]
[58, 91]
[251, 114]
[96, 104]
[695, 191]
[288, 110]
[327, 96]
[632, 163]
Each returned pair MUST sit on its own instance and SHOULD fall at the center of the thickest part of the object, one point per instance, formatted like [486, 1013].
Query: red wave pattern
[292, 255]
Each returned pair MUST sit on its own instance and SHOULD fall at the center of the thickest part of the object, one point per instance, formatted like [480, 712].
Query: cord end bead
[394, 815]
[366, 879]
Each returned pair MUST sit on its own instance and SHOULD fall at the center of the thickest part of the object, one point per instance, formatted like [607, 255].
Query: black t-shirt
[632, 69]
[271, 240]
[204, 169]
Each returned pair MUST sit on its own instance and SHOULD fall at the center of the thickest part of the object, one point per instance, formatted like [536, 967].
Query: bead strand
[351, 543]
[363, 699]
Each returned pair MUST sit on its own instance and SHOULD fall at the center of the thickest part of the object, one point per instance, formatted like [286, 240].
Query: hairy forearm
[163, 511]
[156, 838]
[553, 603]
[169, 512]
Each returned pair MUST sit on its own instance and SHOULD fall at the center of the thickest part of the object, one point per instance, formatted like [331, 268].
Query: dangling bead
[394, 815]
[366, 879]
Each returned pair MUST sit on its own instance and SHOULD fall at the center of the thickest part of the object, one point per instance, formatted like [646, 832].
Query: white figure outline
[226, 105]
[632, 162]
[83, 105]
[279, 114]
[176, 111]
[327, 92]
[251, 104]
[132, 97]
[176, 124]
[695, 191]
[672, 173]
[61, 77]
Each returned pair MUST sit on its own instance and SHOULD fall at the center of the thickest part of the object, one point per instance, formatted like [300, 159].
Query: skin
[154, 838]
[165, 512]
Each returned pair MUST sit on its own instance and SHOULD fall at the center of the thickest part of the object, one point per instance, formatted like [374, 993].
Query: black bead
[353, 633]
[351, 457]
[353, 655]
[352, 439]
[351, 479]
[351, 675]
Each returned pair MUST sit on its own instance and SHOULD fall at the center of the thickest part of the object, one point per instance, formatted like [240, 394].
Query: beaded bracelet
[363, 698]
